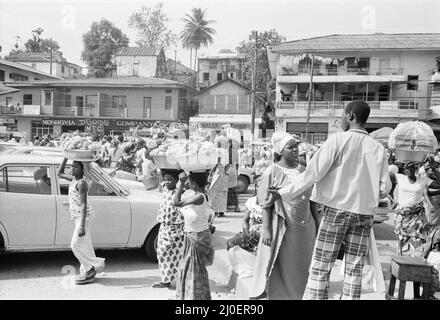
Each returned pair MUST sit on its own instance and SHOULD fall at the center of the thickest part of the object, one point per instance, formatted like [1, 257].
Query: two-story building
[141, 62]
[389, 71]
[227, 102]
[215, 68]
[55, 65]
[11, 72]
[104, 105]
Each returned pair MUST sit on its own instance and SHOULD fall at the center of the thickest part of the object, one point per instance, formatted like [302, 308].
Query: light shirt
[196, 216]
[350, 173]
[409, 193]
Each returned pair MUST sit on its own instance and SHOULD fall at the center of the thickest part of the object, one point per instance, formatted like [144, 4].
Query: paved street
[129, 274]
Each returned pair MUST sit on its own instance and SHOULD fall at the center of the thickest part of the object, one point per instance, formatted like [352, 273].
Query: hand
[274, 195]
[81, 232]
[266, 237]
[183, 177]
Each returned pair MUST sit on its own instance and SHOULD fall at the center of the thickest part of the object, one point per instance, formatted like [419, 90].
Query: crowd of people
[304, 210]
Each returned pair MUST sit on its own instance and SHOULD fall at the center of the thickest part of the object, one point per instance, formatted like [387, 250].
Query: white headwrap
[280, 139]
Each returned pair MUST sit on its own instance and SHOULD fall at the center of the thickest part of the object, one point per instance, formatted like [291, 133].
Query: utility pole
[175, 64]
[50, 55]
[310, 100]
[254, 89]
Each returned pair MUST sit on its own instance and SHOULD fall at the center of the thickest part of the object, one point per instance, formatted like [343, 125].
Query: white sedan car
[34, 208]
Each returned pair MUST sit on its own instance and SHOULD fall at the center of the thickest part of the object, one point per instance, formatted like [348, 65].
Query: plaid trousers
[339, 227]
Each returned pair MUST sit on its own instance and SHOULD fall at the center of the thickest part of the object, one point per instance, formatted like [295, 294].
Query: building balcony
[407, 108]
[339, 71]
[27, 110]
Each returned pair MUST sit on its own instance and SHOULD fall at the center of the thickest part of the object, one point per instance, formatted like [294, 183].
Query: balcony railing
[339, 71]
[331, 105]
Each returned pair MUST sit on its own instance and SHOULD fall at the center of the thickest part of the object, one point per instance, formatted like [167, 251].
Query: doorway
[80, 105]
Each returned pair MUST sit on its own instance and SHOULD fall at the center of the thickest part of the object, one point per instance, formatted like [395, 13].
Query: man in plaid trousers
[350, 174]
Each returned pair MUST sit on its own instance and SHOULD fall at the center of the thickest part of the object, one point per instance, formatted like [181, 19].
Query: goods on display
[412, 141]
[81, 148]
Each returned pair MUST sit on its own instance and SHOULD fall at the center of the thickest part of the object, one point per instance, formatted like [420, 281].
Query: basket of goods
[382, 135]
[412, 141]
[164, 156]
[200, 157]
[80, 148]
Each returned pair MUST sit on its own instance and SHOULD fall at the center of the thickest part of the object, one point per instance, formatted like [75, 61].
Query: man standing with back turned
[350, 173]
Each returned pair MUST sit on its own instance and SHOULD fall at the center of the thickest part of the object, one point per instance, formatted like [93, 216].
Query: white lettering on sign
[60, 122]
[31, 109]
[93, 122]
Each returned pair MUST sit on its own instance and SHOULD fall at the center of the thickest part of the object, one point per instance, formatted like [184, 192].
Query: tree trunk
[195, 68]
[190, 57]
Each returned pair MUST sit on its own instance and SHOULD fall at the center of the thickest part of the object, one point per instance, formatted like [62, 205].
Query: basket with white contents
[81, 148]
[412, 141]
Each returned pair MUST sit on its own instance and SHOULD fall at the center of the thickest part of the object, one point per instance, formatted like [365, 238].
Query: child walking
[83, 214]
[193, 281]
[170, 238]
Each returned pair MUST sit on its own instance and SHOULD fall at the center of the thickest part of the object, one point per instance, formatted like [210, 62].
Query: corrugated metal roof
[137, 51]
[376, 41]
[102, 82]
[222, 56]
[24, 67]
[36, 57]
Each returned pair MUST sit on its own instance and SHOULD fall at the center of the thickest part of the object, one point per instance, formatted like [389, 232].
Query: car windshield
[100, 174]
[7, 149]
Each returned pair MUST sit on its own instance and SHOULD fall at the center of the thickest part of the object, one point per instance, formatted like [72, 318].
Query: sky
[67, 20]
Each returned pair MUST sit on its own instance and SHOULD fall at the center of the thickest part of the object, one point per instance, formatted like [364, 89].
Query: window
[413, 82]
[26, 179]
[219, 76]
[231, 75]
[34, 65]
[27, 99]
[168, 103]
[18, 77]
[8, 101]
[63, 69]
[232, 102]
[205, 76]
[47, 98]
[39, 129]
[147, 107]
[95, 188]
[168, 90]
[2, 75]
[119, 102]
[91, 101]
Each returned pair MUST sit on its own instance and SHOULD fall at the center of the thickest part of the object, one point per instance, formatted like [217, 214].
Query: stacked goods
[165, 155]
[80, 148]
[201, 156]
[382, 135]
[412, 141]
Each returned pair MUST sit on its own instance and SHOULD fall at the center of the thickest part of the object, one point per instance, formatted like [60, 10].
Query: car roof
[39, 148]
[29, 159]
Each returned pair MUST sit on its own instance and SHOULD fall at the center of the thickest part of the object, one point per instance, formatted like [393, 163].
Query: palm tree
[196, 32]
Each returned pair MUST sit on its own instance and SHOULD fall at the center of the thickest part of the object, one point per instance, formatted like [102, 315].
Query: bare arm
[61, 173]
[315, 214]
[177, 198]
[266, 235]
[82, 189]
[246, 218]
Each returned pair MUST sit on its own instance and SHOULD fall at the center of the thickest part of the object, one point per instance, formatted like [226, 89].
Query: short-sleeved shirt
[256, 215]
[411, 193]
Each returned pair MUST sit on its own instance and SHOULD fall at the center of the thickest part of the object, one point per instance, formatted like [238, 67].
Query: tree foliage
[265, 85]
[150, 24]
[38, 44]
[196, 32]
[101, 44]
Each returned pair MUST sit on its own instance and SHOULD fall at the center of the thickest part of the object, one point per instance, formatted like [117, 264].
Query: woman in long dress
[218, 189]
[289, 229]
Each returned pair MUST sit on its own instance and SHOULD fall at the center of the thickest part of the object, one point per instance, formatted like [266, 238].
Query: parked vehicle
[245, 178]
[35, 150]
[34, 211]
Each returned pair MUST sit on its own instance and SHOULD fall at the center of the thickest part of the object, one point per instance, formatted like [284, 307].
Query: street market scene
[148, 151]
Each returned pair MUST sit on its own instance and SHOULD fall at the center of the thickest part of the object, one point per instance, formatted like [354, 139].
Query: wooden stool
[413, 269]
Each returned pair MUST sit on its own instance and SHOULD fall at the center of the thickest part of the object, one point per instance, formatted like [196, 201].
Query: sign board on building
[102, 122]
[7, 120]
[31, 109]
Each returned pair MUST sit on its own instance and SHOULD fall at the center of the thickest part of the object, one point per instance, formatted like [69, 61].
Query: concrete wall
[209, 105]
[145, 68]
[203, 67]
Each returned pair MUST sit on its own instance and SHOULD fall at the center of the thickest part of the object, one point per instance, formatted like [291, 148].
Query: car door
[112, 224]
[28, 205]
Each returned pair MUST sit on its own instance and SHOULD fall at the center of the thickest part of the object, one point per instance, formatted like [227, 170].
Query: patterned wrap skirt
[169, 250]
[193, 281]
[411, 228]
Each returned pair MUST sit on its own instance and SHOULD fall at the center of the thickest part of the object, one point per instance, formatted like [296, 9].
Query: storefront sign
[7, 120]
[56, 122]
[103, 122]
[31, 109]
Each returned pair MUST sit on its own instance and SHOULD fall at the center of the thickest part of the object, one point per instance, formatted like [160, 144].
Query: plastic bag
[413, 135]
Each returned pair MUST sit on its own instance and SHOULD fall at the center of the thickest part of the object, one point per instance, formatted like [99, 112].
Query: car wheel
[242, 184]
[150, 245]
